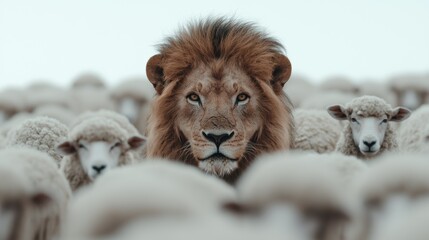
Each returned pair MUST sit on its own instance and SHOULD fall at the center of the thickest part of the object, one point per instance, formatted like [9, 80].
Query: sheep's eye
[81, 146]
[354, 120]
[194, 99]
[115, 145]
[242, 98]
[384, 121]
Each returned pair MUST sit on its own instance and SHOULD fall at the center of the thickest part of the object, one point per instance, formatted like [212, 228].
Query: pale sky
[55, 40]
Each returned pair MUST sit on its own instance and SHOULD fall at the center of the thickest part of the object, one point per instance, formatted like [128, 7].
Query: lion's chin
[218, 166]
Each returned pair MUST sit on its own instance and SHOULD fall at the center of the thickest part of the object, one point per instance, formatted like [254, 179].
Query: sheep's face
[368, 131]
[98, 157]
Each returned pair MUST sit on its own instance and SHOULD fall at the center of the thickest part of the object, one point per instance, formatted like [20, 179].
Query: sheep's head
[368, 118]
[99, 144]
[16, 201]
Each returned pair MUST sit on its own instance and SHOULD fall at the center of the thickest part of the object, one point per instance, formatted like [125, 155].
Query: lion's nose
[218, 139]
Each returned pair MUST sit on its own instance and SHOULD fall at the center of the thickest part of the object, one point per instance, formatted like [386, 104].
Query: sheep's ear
[136, 142]
[400, 114]
[66, 148]
[40, 199]
[155, 72]
[281, 72]
[338, 112]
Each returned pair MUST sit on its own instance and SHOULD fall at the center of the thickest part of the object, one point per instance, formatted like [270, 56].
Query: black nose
[99, 168]
[369, 144]
[218, 139]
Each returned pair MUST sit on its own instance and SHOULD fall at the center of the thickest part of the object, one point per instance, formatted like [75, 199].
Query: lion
[220, 99]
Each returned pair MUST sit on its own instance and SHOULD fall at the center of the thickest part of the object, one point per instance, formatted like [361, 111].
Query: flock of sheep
[350, 176]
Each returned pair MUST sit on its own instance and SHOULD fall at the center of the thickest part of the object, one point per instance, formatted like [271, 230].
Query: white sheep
[339, 84]
[41, 96]
[390, 189]
[411, 90]
[47, 182]
[11, 103]
[298, 189]
[378, 89]
[368, 132]
[16, 203]
[62, 114]
[155, 191]
[413, 134]
[89, 93]
[88, 80]
[133, 97]
[315, 131]
[298, 88]
[324, 99]
[96, 144]
[40, 133]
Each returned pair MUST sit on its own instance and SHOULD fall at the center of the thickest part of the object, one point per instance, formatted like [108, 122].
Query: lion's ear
[155, 73]
[281, 73]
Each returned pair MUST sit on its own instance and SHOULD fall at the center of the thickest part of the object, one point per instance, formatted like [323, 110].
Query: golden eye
[193, 98]
[242, 98]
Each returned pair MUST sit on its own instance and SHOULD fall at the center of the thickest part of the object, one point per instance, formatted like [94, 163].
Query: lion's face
[218, 117]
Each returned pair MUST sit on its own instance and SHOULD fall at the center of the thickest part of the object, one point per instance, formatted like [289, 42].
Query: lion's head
[220, 98]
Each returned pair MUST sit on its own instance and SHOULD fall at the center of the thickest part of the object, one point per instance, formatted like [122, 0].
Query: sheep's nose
[99, 168]
[218, 139]
[369, 144]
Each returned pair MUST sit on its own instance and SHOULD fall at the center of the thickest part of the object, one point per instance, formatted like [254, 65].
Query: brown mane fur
[217, 43]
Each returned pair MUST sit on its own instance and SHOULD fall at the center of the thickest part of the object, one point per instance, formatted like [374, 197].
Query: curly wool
[369, 106]
[315, 131]
[96, 128]
[40, 133]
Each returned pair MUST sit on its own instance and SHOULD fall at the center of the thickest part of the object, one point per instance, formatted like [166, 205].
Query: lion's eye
[194, 99]
[242, 98]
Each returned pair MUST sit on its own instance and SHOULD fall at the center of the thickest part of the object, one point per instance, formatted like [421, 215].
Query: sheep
[298, 88]
[62, 114]
[413, 225]
[41, 133]
[374, 88]
[411, 90]
[89, 93]
[160, 189]
[392, 187]
[49, 185]
[11, 103]
[95, 145]
[16, 203]
[323, 100]
[41, 96]
[339, 84]
[13, 121]
[133, 97]
[88, 80]
[315, 131]
[413, 134]
[298, 188]
[368, 132]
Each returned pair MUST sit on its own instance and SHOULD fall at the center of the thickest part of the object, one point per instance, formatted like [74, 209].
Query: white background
[54, 40]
